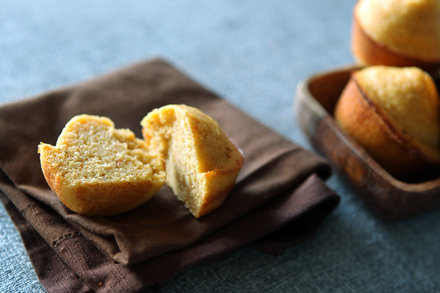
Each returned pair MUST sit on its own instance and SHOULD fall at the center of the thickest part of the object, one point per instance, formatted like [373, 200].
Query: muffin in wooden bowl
[394, 114]
[397, 33]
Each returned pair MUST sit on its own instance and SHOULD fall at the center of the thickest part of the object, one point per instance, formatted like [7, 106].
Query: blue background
[253, 53]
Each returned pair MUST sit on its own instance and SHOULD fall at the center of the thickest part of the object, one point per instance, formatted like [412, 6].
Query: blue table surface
[253, 53]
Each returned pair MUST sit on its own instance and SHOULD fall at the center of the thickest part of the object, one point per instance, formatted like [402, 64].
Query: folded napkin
[279, 197]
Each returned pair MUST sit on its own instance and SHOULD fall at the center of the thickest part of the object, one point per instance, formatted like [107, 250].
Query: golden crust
[201, 161]
[407, 27]
[364, 117]
[99, 197]
[219, 184]
[369, 52]
[365, 125]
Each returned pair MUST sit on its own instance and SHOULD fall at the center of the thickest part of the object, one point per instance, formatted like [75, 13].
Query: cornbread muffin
[397, 32]
[201, 162]
[96, 169]
[394, 114]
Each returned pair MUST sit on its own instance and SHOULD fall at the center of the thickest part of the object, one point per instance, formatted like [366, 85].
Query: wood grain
[389, 197]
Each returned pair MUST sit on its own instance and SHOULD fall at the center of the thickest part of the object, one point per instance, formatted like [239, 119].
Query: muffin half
[96, 169]
[202, 163]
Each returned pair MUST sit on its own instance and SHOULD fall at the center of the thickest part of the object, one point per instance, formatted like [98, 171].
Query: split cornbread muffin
[96, 169]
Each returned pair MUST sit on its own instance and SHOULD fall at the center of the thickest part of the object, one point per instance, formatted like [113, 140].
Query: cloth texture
[253, 54]
[278, 185]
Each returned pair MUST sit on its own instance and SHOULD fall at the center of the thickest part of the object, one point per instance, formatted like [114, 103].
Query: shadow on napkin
[278, 186]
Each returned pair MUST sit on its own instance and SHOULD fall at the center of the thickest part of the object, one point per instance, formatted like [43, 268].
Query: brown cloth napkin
[278, 187]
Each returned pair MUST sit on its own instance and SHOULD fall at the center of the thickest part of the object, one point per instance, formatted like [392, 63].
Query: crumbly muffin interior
[95, 152]
[182, 174]
[170, 133]
[193, 146]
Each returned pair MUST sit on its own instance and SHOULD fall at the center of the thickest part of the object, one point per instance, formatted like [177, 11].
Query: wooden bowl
[314, 105]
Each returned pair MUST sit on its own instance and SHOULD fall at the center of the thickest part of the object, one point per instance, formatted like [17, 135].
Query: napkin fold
[279, 197]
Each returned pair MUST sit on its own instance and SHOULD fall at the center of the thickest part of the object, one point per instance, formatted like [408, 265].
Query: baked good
[393, 112]
[201, 162]
[397, 33]
[96, 169]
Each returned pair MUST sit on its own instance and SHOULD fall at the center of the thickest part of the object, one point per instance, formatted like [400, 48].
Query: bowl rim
[304, 94]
